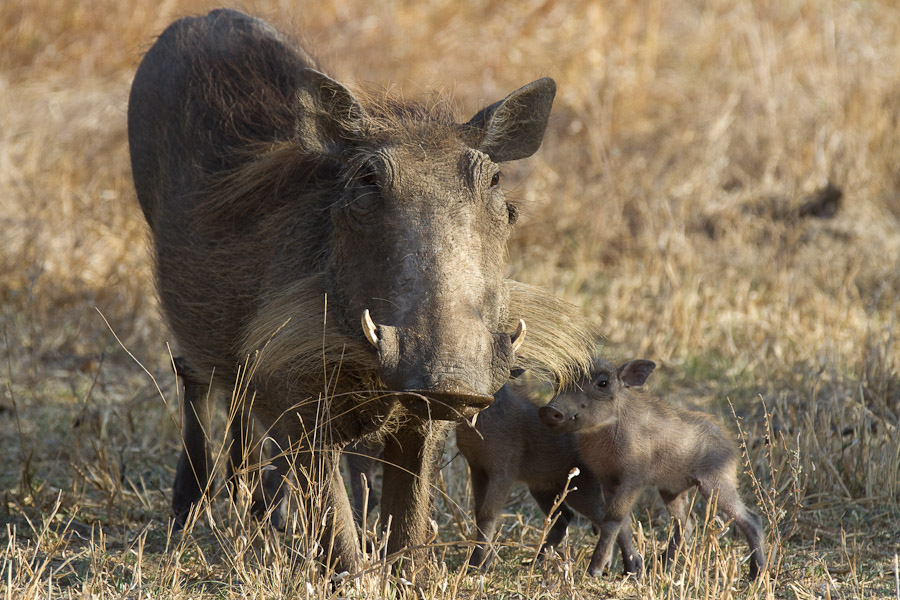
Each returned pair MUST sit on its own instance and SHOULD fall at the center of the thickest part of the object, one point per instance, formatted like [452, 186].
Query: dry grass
[666, 201]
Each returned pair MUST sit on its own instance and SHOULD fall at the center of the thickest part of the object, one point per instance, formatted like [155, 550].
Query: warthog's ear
[514, 127]
[635, 372]
[328, 115]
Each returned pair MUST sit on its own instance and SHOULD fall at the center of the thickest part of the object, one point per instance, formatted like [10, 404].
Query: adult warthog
[344, 254]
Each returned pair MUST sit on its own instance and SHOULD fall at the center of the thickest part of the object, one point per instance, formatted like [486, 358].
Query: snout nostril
[550, 415]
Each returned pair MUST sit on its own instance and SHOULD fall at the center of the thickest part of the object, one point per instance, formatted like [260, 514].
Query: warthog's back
[199, 93]
[212, 91]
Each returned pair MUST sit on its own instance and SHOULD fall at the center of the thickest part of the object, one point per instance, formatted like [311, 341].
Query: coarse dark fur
[631, 441]
[509, 443]
[282, 207]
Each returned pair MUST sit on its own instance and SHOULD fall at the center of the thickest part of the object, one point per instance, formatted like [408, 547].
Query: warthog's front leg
[265, 470]
[409, 465]
[328, 513]
[194, 468]
[362, 459]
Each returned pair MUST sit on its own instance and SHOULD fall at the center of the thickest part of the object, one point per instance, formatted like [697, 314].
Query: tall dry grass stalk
[680, 200]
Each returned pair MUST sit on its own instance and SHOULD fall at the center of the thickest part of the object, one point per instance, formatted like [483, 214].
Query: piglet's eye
[601, 383]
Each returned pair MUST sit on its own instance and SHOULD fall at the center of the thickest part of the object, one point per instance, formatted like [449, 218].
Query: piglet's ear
[635, 372]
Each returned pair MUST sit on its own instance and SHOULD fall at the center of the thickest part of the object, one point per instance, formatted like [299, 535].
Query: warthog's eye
[365, 198]
[495, 179]
[601, 383]
[368, 175]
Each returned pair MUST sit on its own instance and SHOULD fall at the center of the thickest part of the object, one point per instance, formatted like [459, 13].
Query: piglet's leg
[730, 503]
[490, 491]
[622, 499]
[546, 499]
[678, 506]
[586, 499]
[632, 562]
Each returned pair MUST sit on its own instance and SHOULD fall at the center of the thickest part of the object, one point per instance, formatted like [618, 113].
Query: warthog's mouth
[443, 406]
[442, 389]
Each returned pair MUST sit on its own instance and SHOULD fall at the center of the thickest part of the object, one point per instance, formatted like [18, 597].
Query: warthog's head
[414, 251]
[420, 232]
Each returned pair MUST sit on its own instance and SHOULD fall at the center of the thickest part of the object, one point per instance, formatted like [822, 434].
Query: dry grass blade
[717, 191]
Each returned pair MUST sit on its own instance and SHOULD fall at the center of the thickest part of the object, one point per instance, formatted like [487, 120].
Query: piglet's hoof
[634, 565]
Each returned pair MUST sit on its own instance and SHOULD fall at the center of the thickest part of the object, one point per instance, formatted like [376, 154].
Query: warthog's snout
[449, 380]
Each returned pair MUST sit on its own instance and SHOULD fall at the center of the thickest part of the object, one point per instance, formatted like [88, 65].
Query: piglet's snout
[551, 416]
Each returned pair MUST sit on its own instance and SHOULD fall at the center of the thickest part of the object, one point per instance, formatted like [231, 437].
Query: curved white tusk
[519, 336]
[369, 328]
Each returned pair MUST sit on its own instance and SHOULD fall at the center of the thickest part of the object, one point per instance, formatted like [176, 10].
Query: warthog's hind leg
[192, 473]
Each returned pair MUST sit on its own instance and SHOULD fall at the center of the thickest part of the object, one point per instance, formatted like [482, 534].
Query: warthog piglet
[508, 444]
[630, 441]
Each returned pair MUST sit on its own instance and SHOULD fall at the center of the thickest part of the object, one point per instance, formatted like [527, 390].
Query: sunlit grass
[666, 201]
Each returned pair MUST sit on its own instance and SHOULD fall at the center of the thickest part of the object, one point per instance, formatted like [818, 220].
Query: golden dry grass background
[667, 200]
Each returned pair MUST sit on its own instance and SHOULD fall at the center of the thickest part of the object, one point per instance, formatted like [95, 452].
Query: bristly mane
[559, 342]
[294, 335]
[267, 170]
[259, 112]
